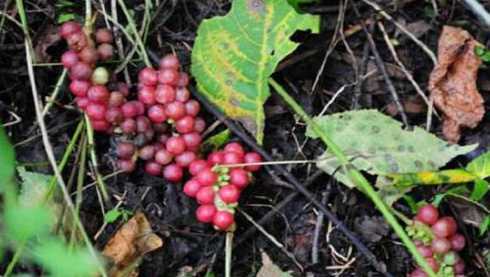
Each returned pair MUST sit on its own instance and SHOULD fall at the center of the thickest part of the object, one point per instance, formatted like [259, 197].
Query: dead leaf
[133, 240]
[269, 269]
[453, 82]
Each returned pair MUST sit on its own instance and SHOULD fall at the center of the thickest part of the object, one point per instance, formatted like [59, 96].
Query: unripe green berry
[100, 76]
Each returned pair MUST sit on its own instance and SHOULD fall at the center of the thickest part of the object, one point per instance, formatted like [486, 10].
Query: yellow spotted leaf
[234, 55]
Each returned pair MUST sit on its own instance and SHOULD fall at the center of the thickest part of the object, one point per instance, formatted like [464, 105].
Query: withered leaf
[453, 82]
[133, 240]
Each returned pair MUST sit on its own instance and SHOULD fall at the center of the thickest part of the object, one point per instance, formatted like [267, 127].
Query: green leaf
[461, 190]
[378, 145]
[234, 55]
[65, 17]
[59, 260]
[216, 141]
[480, 166]
[484, 225]
[7, 159]
[34, 187]
[23, 223]
[480, 189]
[297, 3]
[112, 215]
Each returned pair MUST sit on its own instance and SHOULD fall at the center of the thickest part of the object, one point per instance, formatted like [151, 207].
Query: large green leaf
[234, 55]
[7, 159]
[480, 166]
[378, 145]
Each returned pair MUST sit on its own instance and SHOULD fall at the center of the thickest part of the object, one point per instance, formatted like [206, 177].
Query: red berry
[79, 88]
[192, 140]
[114, 115]
[170, 62]
[69, 28]
[458, 242]
[103, 35]
[192, 107]
[147, 152]
[146, 95]
[191, 188]
[105, 51]
[252, 157]
[207, 177]
[156, 113]
[164, 94]
[123, 88]
[98, 94]
[128, 126]
[175, 110]
[153, 168]
[100, 125]
[229, 194]
[182, 94]
[185, 125]
[81, 71]
[88, 55]
[205, 213]
[205, 195]
[77, 41]
[234, 147]
[96, 111]
[126, 165]
[140, 107]
[432, 263]
[116, 99]
[418, 272]
[183, 79]
[125, 150]
[440, 245]
[173, 173]
[175, 145]
[239, 177]
[168, 76]
[216, 157]
[424, 250]
[428, 214]
[232, 158]
[223, 220]
[459, 267]
[197, 166]
[143, 124]
[185, 158]
[163, 139]
[129, 109]
[163, 157]
[82, 102]
[444, 227]
[148, 76]
[199, 125]
[69, 58]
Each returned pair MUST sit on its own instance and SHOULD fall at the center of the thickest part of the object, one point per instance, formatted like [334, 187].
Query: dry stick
[479, 10]
[56, 90]
[318, 228]
[381, 66]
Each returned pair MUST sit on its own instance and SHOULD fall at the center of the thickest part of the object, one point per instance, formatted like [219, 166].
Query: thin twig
[479, 10]
[228, 253]
[318, 228]
[56, 90]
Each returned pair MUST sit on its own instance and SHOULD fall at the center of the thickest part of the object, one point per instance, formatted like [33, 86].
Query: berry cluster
[160, 126]
[438, 242]
[216, 184]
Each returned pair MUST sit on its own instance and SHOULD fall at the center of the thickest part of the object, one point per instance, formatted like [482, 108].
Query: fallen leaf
[269, 269]
[453, 82]
[133, 240]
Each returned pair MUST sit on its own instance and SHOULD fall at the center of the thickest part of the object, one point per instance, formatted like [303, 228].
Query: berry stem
[93, 157]
[228, 253]
[88, 14]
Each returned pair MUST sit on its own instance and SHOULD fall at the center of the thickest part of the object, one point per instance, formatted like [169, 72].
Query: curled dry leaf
[133, 240]
[453, 82]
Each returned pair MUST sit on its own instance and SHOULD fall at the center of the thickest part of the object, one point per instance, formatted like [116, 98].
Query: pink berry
[175, 145]
[168, 76]
[192, 140]
[146, 95]
[143, 124]
[185, 125]
[183, 79]
[232, 158]
[239, 177]
[82, 102]
[199, 125]
[207, 177]
[205, 195]
[69, 28]
[77, 41]
[147, 152]
[100, 125]
[432, 263]
[440, 245]
[185, 158]
[114, 115]
[192, 107]
[424, 250]
[69, 58]
[458, 242]
[223, 220]
[173, 173]
[459, 267]
[175, 110]
[229, 193]
[148, 76]
[105, 51]
[81, 71]
[164, 94]
[428, 214]
[444, 227]
[191, 188]
[79, 88]
[88, 55]
[205, 213]
[116, 99]
[98, 94]
[128, 126]
[126, 165]
[197, 166]
[163, 157]
[216, 158]
[96, 111]
[182, 94]
[252, 157]
[156, 113]
[125, 150]
[234, 147]
[129, 109]
[103, 35]
[170, 62]
[153, 168]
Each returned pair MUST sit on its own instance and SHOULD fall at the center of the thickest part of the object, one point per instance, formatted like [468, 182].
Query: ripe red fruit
[129, 109]
[205, 195]
[146, 95]
[82, 102]
[125, 150]
[196, 166]
[192, 140]
[216, 158]
[175, 110]
[148, 76]
[223, 220]
[229, 193]
[185, 158]
[128, 126]
[96, 111]
[69, 58]
[418, 272]
[458, 242]
[168, 76]
[88, 55]
[192, 107]
[79, 88]
[164, 94]
[116, 99]
[147, 152]
[156, 113]
[252, 157]
[126, 165]
[205, 213]
[170, 62]
[459, 267]
[163, 139]
[432, 263]
[80, 71]
[234, 147]
[103, 35]
[123, 88]
[191, 188]
[105, 51]
[77, 41]
[239, 177]
[114, 115]
[143, 124]
[444, 227]
[69, 28]
[175, 145]
[163, 157]
[232, 158]
[424, 250]
[207, 177]
[440, 245]
[183, 79]
[98, 94]
[185, 125]
[153, 168]
[199, 125]
[173, 173]
[428, 214]
[182, 94]
[140, 107]
[100, 125]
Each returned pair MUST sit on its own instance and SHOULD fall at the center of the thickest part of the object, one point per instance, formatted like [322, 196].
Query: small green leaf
[112, 215]
[297, 3]
[414, 207]
[480, 50]
[378, 145]
[7, 159]
[484, 225]
[65, 17]
[23, 223]
[461, 190]
[480, 166]
[234, 56]
[216, 141]
[480, 189]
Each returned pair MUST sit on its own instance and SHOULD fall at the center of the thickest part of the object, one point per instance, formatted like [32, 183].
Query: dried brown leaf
[453, 82]
[133, 240]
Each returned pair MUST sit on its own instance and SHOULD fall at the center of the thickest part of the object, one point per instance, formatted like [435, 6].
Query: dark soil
[190, 247]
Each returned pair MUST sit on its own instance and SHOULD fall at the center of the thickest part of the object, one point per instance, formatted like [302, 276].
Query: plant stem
[15, 259]
[56, 90]
[228, 253]
[356, 176]
[93, 158]
[88, 14]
